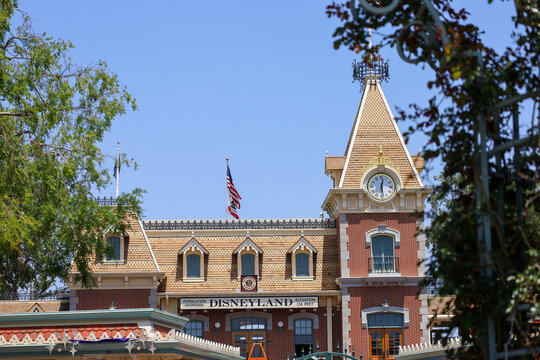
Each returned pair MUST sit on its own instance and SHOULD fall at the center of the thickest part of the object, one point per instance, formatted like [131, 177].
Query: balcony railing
[383, 264]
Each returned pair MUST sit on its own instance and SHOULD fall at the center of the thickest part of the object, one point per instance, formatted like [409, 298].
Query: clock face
[381, 187]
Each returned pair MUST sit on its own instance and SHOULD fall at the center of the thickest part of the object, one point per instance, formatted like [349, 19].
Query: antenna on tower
[371, 69]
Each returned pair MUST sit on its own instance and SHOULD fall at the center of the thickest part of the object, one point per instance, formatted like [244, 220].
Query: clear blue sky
[258, 82]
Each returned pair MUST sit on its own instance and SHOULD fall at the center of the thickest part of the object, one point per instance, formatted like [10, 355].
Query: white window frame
[302, 246]
[248, 246]
[121, 260]
[383, 230]
[193, 247]
[384, 309]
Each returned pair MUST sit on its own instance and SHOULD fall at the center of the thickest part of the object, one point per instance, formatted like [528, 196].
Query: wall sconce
[280, 326]
[217, 325]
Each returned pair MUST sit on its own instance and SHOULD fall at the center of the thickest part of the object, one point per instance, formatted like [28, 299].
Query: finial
[384, 303]
[192, 233]
[326, 152]
[381, 157]
[247, 232]
[302, 234]
[112, 306]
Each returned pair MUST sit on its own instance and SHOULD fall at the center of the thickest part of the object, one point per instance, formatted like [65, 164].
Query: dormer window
[247, 255]
[193, 254]
[116, 256]
[114, 242]
[302, 258]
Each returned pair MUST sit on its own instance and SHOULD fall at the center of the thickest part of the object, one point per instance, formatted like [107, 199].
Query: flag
[116, 170]
[234, 196]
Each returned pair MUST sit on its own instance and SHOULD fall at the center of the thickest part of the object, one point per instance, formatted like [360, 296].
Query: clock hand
[382, 192]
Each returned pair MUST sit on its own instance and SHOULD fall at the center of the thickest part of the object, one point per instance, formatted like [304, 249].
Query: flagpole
[228, 198]
[117, 168]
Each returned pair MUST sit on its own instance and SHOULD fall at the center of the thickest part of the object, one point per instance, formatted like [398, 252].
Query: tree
[485, 229]
[53, 114]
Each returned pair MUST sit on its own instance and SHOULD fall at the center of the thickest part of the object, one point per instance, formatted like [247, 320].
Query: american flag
[234, 196]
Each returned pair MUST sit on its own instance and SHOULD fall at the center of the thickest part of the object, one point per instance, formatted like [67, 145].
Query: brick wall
[373, 296]
[359, 253]
[98, 299]
[279, 345]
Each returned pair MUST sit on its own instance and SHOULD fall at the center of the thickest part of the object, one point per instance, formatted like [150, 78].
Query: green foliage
[474, 87]
[53, 114]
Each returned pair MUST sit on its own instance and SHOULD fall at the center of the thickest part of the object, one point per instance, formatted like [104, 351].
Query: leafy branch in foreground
[485, 230]
[53, 114]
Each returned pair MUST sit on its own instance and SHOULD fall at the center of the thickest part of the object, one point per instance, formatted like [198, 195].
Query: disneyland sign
[263, 302]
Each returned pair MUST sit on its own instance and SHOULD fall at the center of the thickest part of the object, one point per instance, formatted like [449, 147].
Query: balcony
[383, 264]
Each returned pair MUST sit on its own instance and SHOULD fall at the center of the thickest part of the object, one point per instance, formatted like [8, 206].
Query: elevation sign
[263, 302]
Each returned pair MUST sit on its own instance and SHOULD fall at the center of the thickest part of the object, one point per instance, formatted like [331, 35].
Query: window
[248, 323]
[193, 254]
[385, 320]
[303, 337]
[383, 260]
[194, 328]
[248, 256]
[302, 258]
[302, 264]
[248, 264]
[114, 241]
[193, 266]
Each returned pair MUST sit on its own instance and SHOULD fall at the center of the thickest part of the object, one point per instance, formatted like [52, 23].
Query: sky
[257, 82]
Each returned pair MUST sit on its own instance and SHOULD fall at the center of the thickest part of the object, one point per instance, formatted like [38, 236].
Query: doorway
[384, 343]
[245, 340]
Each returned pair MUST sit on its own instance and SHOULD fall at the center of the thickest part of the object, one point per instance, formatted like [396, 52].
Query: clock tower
[378, 200]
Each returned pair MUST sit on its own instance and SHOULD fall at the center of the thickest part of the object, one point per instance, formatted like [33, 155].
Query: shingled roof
[375, 127]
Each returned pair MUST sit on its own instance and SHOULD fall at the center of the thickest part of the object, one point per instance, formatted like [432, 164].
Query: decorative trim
[385, 309]
[192, 245]
[239, 314]
[302, 244]
[382, 230]
[264, 224]
[302, 315]
[352, 136]
[246, 245]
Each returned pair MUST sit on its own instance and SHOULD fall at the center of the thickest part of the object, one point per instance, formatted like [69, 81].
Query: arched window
[193, 266]
[193, 254]
[248, 257]
[248, 264]
[114, 241]
[302, 259]
[303, 337]
[383, 259]
[194, 328]
[302, 264]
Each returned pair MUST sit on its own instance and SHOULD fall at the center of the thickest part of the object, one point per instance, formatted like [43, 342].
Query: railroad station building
[347, 282]
[351, 280]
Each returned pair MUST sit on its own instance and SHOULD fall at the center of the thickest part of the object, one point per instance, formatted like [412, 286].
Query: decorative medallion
[249, 283]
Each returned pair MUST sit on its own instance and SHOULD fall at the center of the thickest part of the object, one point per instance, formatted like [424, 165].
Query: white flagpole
[117, 168]
[228, 197]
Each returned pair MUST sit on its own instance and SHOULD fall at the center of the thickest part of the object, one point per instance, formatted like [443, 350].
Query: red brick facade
[280, 344]
[407, 252]
[399, 296]
[98, 299]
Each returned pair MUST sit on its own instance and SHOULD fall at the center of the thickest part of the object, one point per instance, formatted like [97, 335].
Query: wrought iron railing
[55, 295]
[106, 201]
[240, 224]
[383, 264]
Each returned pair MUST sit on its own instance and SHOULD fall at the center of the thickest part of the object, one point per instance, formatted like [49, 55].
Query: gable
[374, 128]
